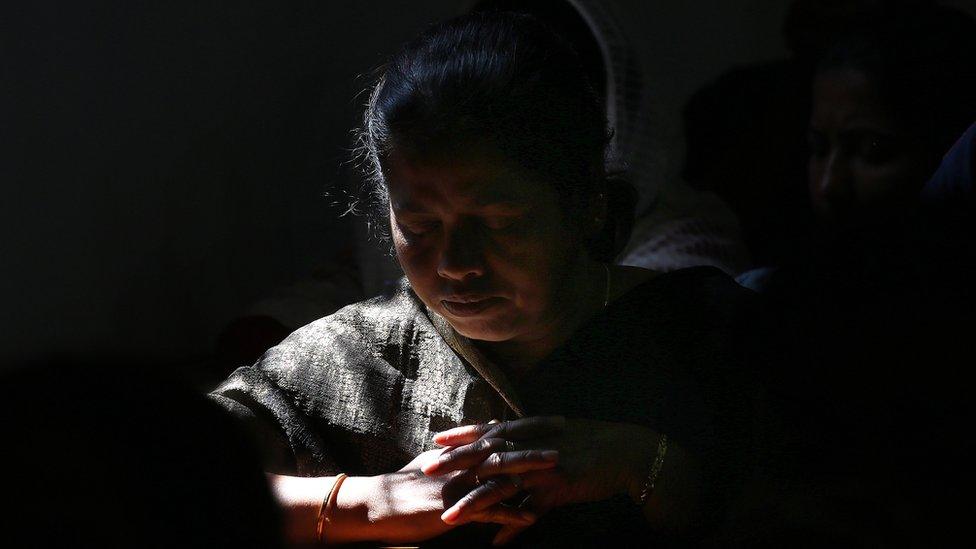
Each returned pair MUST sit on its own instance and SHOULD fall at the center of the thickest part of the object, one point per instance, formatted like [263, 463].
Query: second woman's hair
[921, 60]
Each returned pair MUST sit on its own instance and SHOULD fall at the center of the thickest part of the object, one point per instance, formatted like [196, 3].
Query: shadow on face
[483, 243]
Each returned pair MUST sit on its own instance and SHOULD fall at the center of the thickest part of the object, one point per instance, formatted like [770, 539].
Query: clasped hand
[549, 461]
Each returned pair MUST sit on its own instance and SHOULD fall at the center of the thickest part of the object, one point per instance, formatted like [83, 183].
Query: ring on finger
[509, 445]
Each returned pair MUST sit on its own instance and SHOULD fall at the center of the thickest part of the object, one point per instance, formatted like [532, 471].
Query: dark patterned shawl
[363, 390]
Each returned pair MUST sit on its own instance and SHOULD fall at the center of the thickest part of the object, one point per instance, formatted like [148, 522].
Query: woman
[888, 102]
[601, 397]
[874, 307]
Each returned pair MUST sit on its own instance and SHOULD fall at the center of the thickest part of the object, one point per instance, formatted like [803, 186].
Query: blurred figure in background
[115, 456]
[745, 132]
[888, 102]
[888, 99]
[876, 311]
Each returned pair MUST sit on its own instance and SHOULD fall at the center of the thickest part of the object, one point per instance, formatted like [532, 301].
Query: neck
[581, 296]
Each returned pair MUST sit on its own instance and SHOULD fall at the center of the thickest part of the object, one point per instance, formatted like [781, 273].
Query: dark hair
[813, 26]
[922, 61]
[495, 78]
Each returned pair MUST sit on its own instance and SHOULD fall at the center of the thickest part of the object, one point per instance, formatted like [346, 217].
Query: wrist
[644, 443]
[350, 520]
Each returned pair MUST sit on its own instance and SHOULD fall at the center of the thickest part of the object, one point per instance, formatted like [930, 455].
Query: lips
[469, 306]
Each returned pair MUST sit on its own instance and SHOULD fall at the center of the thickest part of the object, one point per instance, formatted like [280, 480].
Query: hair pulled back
[499, 79]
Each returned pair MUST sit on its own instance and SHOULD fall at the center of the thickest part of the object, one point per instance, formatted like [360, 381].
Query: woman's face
[483, 244]
[862, 166]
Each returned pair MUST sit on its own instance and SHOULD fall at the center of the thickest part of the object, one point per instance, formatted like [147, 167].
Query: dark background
[166, 164]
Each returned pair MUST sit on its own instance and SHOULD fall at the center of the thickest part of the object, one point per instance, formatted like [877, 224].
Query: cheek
[534, 263]
[416, 260]
[881, 183]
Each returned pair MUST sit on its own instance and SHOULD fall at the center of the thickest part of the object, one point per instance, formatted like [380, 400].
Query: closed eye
[417, 228]
[500, 222]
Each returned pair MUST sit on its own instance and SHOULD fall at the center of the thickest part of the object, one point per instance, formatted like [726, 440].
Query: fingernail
[550, 455]
[527, 516]
[450, 515]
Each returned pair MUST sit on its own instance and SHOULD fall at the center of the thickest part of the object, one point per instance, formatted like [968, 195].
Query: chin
[484, 329]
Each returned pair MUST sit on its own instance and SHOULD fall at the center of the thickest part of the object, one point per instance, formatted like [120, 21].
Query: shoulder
[391, 310]
[340, 376]
[370, 334]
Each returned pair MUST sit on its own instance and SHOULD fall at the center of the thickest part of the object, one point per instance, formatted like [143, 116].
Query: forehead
[470, 181]
[844, 98]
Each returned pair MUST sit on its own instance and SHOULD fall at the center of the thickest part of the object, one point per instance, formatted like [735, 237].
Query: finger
[508, 532]
[466, 434]
[528, 427]
[490, 492]
[507, 516]
[513, 463]
[517, 429]
[543, 478]
[466, 456]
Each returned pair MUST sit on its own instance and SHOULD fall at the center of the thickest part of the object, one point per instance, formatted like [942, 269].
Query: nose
[462, 256]
[831, 179]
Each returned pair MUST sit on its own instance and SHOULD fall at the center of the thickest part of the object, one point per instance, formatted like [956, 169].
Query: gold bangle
[327, 504]
[662, 448]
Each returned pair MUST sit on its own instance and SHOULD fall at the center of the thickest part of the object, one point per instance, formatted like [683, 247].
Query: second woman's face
[482, 244]
[861, 166]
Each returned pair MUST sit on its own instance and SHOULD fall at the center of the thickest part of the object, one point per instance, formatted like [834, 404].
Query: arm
[301, 498]
[399, 507]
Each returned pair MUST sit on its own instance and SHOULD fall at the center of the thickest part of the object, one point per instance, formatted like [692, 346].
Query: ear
[597, 211]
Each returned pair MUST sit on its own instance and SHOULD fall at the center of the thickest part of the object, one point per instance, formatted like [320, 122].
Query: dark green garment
[363, 391]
